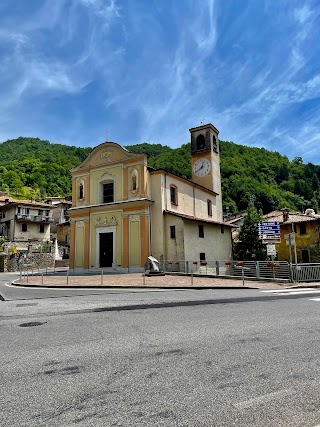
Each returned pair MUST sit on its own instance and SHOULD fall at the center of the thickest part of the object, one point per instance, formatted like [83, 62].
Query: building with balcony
[25, 220]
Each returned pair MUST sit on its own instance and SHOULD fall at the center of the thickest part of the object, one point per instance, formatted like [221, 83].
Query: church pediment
[106, 154]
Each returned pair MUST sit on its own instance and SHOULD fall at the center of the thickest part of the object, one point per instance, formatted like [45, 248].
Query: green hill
[32, 167]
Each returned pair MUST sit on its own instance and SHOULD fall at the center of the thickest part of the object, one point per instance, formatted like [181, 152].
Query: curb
[14, 283]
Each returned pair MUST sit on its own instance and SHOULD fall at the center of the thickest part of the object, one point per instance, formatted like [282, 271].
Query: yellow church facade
[123, 211]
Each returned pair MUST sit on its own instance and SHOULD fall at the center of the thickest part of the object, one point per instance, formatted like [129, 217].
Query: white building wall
[215, 159]
[184, 195]
[32, 231]
[201, 205]
[174, 246]
[215, 244]
[157, 243]
[191, 200]
[33, 228]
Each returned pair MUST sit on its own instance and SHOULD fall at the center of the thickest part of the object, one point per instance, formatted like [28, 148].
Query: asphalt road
[236, 357]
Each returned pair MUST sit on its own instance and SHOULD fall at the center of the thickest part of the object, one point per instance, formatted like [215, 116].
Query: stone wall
[9, 262]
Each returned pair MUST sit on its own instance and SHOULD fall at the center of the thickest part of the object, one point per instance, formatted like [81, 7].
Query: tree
[249, 247]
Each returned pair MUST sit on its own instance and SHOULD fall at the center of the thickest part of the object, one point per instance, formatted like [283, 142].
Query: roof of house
[9, 201]
[194, 218]
[234, 221]
[293, 217]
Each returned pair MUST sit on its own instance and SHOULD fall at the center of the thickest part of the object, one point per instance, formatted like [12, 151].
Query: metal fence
[249, 269]
[306, 272]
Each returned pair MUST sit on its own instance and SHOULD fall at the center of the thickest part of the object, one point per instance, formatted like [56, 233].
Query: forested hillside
[32, 167]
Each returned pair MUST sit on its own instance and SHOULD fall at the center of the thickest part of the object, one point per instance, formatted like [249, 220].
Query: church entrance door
[106, 249]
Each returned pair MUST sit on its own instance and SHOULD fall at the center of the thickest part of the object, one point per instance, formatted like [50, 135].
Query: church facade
[123, 211]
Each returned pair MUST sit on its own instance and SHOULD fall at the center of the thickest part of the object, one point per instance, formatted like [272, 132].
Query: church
[123, 211]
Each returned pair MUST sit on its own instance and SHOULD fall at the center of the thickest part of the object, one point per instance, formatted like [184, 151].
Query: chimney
[285, 213]
[310, 212]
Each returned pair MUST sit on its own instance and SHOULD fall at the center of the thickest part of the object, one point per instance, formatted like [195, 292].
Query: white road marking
[301, 293]
[263, 399]
[118, 289]
[290, 290]
[304, 291]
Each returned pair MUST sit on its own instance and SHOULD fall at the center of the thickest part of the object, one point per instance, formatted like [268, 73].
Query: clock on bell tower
[206, 160]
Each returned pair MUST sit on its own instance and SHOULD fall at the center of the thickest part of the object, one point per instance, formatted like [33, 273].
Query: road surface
[170, 358]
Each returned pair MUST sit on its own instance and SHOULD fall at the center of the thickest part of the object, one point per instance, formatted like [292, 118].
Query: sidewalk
[137, 280]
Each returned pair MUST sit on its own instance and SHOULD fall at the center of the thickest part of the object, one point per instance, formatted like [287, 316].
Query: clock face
[201, 167]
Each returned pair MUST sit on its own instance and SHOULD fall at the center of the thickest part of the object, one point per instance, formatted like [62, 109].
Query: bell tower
[206, 161]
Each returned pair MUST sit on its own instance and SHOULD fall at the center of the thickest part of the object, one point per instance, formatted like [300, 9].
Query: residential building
[63, 238]
[123, 211]
[60, 214]
[25, 220]
[306, 229]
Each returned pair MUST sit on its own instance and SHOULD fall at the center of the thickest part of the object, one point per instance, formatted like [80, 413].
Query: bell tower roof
[203, 127]
[204, 138]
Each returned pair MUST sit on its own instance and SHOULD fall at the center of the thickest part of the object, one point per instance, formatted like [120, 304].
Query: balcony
[33, 218]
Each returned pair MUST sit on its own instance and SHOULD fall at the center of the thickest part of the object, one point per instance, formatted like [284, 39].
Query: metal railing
[306, 272]
[35, 218]
[249, 269]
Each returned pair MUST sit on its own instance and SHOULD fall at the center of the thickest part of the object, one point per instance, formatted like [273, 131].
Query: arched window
[200, 141]
[209, 205]
[81, 192]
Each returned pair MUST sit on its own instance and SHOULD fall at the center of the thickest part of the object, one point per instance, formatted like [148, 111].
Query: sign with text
[269, 231]
[271, 250]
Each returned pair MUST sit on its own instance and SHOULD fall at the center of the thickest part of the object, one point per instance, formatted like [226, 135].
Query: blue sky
[148, 70]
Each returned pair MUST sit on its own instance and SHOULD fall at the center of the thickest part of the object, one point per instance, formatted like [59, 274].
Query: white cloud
[106, 9]
[302, 14]
[205, 33]
[167, 68]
